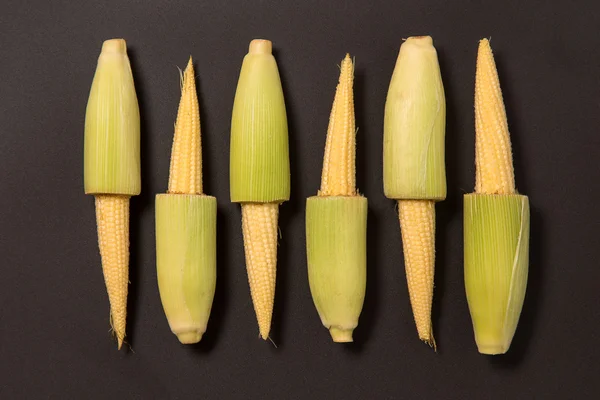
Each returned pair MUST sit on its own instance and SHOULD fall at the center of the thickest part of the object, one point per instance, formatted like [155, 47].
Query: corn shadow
[287, 212]
[370, 311]
[528, 321]
[220, 300]
[448, 209]
[140, 203]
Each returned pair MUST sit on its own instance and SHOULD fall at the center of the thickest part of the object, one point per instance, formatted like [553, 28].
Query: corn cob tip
[338, 177]
[430, 341]
[340, 335]
[260, 46]
[189, 337]
[493, 157]
[259, 229]
[118, 46]
[263, 332]
[185, 176]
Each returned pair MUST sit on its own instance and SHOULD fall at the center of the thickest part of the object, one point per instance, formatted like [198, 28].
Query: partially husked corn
[414, 166]
[112, 169]
[186, 227]
[336, 222]
[260, 171]
[496, 221]
[185, 173]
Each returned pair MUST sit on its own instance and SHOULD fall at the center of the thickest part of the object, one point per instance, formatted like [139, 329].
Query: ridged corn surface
[112, 218]
[111, 160]
[414, 125]
[417, 223]
[336, 248]
[186, 155]
[186, 261]
[259, 224]
[493, 155]
[496, 233]
[339, 168]
[259, 164]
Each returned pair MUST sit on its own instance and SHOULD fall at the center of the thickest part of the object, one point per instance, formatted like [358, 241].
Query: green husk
[112, 126]
[259, 163]
[414, 125]
[496, 265]
[336, 237]
[186, 256]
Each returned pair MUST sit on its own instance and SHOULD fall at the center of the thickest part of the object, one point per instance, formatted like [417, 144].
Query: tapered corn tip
[429, 340]
[264, 329]
[338, 177]
[341, 335]
[112, 219]
[260, 46]
[118, 46]
[417, 224]
[118, 325]
[493, 154]
[185, 175]
[259, 227]
[426, 335]
[189, 337]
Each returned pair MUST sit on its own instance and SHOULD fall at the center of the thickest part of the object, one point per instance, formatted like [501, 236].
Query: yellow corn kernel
[417, 223]
[186, 155]
[112, 218]
[493, 155]
[339, 169]
[259, 225]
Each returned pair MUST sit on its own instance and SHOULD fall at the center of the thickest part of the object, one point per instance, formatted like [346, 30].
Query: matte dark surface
[54, 330]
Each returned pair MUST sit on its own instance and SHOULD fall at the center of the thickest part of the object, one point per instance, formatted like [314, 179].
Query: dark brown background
[54, 330]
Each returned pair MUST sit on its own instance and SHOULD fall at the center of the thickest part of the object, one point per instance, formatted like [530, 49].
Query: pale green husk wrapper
[186, 257]
[414, 125]
[259, 154]
[112, 130]
[496, 229]
[336, 244]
